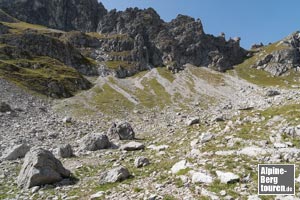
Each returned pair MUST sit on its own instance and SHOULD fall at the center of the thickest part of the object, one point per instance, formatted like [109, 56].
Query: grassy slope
[49, 70]
[261, 77]
[22, 73]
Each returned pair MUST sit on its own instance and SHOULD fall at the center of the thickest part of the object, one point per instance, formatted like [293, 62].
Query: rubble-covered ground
[237, 126]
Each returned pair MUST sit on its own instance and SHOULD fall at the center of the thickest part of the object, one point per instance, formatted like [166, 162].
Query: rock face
[4, 17]
[66, 15]
[41, 167]
[172, 44]
[132, 40]
[18, 151]
[35, 44]
[94, 142]
[123, 130]
[114, 175]
[282, 56]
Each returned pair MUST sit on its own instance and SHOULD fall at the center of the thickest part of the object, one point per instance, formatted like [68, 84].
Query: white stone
[195, 153]
[132, 146]
[180, 166]
[199, 177]
[209, 194]
[223, 193]
[158, 148]
[253, 151]
[280, 145]
[194, 143]
[227, 177]
[192, 121]
[225, 153]
[206, 137]
[97, 195]
[253, 197]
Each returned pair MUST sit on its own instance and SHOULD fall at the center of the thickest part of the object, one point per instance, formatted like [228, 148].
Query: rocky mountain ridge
[141, 39]
[65, 15]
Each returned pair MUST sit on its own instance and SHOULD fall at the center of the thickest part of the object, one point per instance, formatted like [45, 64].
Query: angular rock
[97, 195]
[252, 151]
[40, 167]
[180, 166]
[114, 175]
[227, 177]
[254, 197]
[141, 162]
[199, 177]
[192, 121]
[272, 93]
[158, 148]
[65, 151]
[132, 146]
[94, 142]
[123, 130]
[16, 152]
[67, 120]
[4, 107]
[205, 137]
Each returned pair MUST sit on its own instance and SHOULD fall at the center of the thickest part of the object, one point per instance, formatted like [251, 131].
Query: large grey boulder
[123, 130]
[94, 142]
[15, 152]
[114, 175]
[40, 167]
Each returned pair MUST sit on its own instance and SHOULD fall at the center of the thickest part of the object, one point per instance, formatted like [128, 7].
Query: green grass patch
[183, 171]
[116, 64]
[165, 73]
[289, 112]
[109, 101]
[19, 27]
[212, 77]
[217, 187]
[153, 94]
[37, 73]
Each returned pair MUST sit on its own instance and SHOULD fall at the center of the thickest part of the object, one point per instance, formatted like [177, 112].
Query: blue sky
[254, 21]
